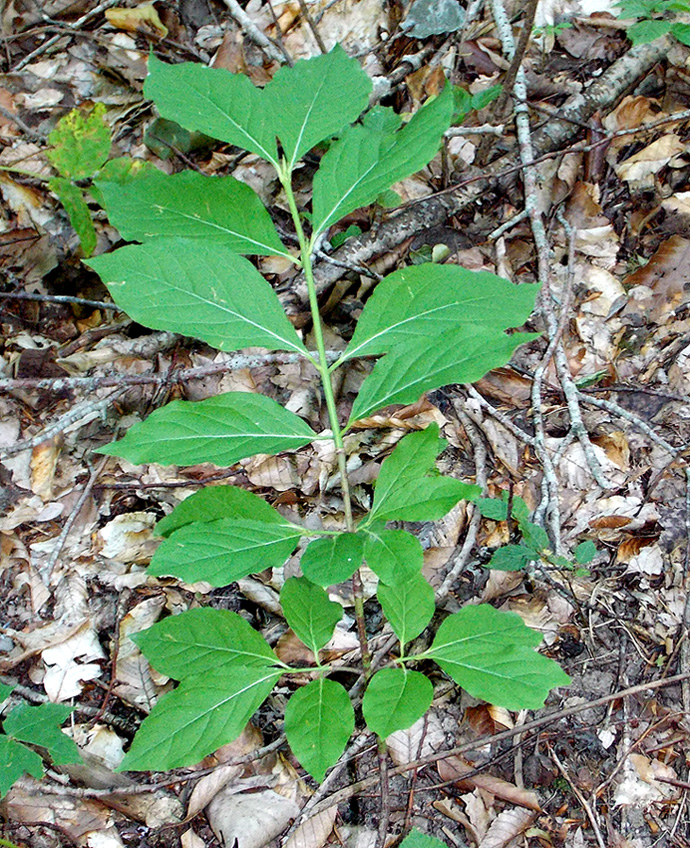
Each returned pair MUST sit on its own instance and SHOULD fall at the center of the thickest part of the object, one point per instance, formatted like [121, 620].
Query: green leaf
[490, 654]
[41, 726]
[214, 295]
[309, 612]
[681, 32]
[332, 559]
[302, 105]
[81, 142]
[202, 714]
[314, 99]
[371, 156]
[493, 508]
[395, 699]
[319, 720]
[408, 606]
[190, 205]
[512, 558]
[15, 761]
[519, 509]
[406, 373]
[216, 502]
[405, 489]
[203, 640]
[223, 551]
[534, 536]
[481, 99]
[221, 429]
[215, 102]
[72, 198]
[585, 552]
[645, 31]
[416, 839]
[393, 555]
[5, 692]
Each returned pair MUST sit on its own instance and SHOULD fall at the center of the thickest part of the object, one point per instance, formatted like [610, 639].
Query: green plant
[651, 19]
[534, 544]
[39, 726]
[426, 326]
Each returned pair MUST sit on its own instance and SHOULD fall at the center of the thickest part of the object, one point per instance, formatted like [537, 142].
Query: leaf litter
[66, 623]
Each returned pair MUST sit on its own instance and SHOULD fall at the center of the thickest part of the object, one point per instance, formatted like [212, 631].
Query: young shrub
[427, 326]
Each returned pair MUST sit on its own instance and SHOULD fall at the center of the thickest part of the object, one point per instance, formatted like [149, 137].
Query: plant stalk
[305, 246]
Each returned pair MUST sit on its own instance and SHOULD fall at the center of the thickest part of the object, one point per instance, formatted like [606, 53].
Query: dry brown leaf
[426, 736]
[454, 768]
[486, 719]
[208, 787]
[129, 538]
[641, 167]
[659, 288]
[135, 682]
[143, 18]
[250, 820]
[190, 839]
[44, 459]
[506, 827]
[25, 802]
[314, 832]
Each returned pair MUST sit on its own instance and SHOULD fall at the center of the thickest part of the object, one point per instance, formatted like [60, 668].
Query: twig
[60, 298]
[518, 56]
[581, 798]
[312, 26]
[253, 31]
[502, 419]
[72, 517]
[81, 410]
[25, 128]
[479, 450]
[234, 363]
[685, 646]
[75, 26]
[279, 36]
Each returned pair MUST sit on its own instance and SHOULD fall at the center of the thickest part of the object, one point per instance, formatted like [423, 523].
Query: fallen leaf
[143, 18]
[642, 166]
[454, 768]
[314, 832]
[505, 827]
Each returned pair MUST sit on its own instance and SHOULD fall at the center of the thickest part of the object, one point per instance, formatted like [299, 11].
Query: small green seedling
[534, 545]
[425, 326]
[26, 726]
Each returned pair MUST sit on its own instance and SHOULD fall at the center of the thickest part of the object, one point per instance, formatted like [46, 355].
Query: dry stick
[75, 26]
[350, 791]
[463, 555]
[498, 415]
[518, 56]
[431, 211]
[59, 298]
[253, 32]
[25, 128]
[685, 646]
[581, 798]
[524, 135]
[279, 36]
[312, 26]
[63, 422]
[64, 533]
[238, 362]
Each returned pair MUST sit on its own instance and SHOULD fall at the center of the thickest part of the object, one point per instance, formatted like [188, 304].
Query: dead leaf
[659, 288]
[506, 827]
[454, 768]
[641, 167]
[44, 459]
[250, 820]
[143, 18]
[426, 736]
[69, 664]
[314, 832]
[129, 538]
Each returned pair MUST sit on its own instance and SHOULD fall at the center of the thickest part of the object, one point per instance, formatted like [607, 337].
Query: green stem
[7, 844]
[306, 247]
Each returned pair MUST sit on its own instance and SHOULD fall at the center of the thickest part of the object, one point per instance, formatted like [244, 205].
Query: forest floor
[601, 218]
